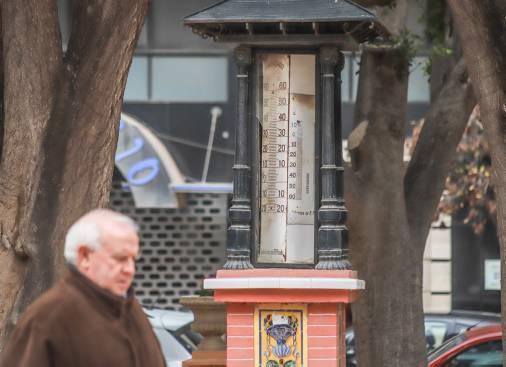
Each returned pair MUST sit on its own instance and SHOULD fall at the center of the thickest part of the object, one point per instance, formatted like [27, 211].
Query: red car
[476, 347]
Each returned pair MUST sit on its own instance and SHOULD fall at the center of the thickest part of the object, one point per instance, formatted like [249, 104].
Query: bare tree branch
[432, 159]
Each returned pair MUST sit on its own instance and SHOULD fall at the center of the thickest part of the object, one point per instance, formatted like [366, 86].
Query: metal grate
[179, 247]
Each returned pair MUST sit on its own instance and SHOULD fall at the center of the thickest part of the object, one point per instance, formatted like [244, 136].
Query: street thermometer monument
[287, 278]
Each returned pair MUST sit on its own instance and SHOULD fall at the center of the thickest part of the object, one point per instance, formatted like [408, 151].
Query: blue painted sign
[147, 166]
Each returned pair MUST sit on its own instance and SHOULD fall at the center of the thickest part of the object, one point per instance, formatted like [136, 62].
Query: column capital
[243, 56]
[332, 56]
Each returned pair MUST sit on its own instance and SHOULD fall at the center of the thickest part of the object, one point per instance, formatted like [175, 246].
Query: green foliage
[205, 293]
[435, 29]
[437, 51]
[406, 45]
[435, 21]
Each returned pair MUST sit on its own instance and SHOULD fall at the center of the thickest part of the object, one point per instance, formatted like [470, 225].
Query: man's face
[112, 266]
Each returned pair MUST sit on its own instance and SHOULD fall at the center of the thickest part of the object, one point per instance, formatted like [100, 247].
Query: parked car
[176, 338]
[438, 329]
[476, 347]
[441, 327]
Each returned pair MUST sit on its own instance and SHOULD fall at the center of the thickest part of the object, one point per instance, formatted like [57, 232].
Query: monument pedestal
[207, 359]
[285, 317]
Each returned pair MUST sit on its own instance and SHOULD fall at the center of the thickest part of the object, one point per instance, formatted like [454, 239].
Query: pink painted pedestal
[323, 293]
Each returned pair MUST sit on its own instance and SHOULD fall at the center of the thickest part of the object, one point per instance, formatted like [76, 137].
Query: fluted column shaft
[332, 253]
[239, 232]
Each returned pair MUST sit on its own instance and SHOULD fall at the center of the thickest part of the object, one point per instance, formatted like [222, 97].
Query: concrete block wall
[437, 270]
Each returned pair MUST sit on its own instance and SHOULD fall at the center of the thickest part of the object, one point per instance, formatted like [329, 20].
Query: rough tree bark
[1, 91]
[391, 207]
[482, 29]
[61, 125]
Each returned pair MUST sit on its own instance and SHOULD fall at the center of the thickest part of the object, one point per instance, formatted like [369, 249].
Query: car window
[446, 346]
[171, 348]
[188, 338]
[435, 333]
[483, 355]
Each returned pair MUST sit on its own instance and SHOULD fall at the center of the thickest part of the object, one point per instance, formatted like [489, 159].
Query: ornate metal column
[332, 213]
[239, 233]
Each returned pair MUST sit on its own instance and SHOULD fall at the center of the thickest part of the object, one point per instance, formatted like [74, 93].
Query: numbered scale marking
[287, 160]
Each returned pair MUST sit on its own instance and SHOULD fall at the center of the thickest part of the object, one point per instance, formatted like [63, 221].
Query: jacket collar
[107, 302]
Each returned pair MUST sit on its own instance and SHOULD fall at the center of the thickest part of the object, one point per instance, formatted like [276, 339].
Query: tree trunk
[391, 307]
[61, 126]
[1, 93]
[482, 29]
[391, 208]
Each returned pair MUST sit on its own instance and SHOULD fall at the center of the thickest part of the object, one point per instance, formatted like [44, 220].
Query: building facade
[181, 89]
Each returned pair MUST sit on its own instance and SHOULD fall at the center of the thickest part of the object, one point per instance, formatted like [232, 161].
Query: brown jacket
[77, 324]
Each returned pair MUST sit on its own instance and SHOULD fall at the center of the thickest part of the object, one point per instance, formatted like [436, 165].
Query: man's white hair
[88, 229]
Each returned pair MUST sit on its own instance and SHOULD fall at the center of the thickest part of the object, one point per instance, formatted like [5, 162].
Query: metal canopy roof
[239, 20]
[243, 11]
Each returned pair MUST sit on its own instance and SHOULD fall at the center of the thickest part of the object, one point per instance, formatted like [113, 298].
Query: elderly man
[90, 318]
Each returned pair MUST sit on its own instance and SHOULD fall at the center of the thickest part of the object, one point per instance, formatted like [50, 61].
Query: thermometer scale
[287, 158]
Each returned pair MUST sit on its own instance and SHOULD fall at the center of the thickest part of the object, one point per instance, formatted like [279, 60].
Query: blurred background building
[176, 151]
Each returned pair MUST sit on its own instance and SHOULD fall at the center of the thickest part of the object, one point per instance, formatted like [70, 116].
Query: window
[64, 17]
[419, 87]
[349, 78]
[483, 355]
[143, 41]
[435, 333]
[190, 79]
[137, 83]
[183, 79]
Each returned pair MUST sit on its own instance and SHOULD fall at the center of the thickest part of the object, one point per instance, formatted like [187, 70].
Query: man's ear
[83, 258]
